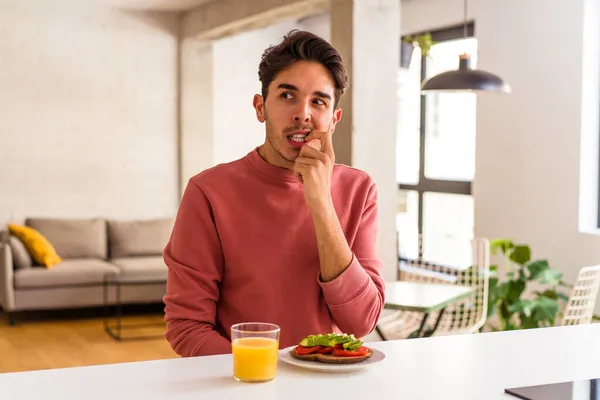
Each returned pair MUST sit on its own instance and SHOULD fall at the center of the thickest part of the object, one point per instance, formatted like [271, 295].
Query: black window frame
[425, 184]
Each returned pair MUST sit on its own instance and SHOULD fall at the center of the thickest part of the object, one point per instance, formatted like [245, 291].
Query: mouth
[298, 139]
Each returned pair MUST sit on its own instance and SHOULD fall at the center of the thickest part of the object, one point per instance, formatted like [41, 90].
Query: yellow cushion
[36, 244]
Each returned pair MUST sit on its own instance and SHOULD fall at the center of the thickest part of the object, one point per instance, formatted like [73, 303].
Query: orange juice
[254, 358]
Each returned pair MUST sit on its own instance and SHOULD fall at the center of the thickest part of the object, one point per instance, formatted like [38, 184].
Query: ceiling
[165, 5]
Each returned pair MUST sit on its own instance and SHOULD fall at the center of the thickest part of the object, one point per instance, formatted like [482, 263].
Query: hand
[314, 166]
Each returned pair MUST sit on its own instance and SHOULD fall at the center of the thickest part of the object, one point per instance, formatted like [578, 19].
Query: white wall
[319, 24]
[527, 182]
[537, 148]
[88, 113]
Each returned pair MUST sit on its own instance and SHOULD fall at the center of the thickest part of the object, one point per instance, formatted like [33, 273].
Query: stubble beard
[274, 138]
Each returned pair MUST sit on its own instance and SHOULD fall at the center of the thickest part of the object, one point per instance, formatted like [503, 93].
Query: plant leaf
[553, 294]
[503, 312]
[550, 293]
[536, 268]
[500, 244]
[540, 270]
[493, 290]
[528, 322]
[563, 296]
[550, 277]
[511, 291]
[520, 254]
[545, 309]
[525, 307]
[492, 296]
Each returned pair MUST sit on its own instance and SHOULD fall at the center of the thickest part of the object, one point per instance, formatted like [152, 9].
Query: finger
[309, 152]
[307, 161]
[315, 144]
[327, 146]
[301, 169]
[325, 140]
[314, 135]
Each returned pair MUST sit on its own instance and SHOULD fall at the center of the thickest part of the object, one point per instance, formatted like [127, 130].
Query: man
[282, 235]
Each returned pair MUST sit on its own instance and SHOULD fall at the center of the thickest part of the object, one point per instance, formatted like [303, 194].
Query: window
[436, 146]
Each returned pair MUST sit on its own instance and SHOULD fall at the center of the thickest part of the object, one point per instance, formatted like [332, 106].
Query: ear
[337, 116]
[259, 106]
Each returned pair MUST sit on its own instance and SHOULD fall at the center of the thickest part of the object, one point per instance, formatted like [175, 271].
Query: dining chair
[465, 316]
[582, 300]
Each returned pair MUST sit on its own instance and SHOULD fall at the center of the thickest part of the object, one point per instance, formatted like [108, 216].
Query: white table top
[478, 366]
[423, 297]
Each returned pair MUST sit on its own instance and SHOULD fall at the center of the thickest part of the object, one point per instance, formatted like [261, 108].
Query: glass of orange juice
[254, 346]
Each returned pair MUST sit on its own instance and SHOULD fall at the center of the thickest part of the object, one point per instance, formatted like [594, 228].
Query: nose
[302, 113]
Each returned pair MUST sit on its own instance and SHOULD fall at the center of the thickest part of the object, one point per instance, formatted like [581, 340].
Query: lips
[298, 138]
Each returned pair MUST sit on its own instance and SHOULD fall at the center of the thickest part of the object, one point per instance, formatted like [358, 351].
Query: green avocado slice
[349, 342]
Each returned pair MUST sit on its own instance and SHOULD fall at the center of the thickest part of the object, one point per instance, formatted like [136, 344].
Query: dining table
[458, 367]
[422, 297]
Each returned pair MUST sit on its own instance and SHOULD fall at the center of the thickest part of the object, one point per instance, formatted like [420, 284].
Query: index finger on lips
[324, 139]
[315, 144]
[308, 151]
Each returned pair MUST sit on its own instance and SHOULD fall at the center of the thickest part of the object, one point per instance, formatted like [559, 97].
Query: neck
[268, 153]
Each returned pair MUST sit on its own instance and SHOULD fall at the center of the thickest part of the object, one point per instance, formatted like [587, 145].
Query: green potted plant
[408, 44]
[505, 298]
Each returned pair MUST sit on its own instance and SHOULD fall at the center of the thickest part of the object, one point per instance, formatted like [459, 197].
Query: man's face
[299, 99]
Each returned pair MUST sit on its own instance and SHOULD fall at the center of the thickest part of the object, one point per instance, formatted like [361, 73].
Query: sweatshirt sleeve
[194, 260]
[356, 297]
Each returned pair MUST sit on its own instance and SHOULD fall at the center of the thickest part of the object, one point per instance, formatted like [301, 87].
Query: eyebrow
[294, 88]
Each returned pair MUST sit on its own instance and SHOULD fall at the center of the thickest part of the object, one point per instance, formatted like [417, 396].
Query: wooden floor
[72, 338]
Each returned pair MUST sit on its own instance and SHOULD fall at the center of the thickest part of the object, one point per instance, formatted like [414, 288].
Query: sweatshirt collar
[278, 173]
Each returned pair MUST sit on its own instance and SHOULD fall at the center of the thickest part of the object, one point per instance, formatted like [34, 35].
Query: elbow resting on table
[371, 319]
[191, 338]
[362, 323]
[185, 337]
[180, 333]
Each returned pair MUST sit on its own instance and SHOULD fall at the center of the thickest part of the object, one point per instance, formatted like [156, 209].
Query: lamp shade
[465, 79]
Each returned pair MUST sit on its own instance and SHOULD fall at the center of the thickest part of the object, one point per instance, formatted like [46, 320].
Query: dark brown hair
[302, 46]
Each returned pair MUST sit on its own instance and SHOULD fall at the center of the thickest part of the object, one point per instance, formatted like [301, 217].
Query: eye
[319, 102]
[285, 95]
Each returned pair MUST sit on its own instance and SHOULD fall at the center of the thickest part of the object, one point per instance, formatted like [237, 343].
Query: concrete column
[196, 142]
[367, 34]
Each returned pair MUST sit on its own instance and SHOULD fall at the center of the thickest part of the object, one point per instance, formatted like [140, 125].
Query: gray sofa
[90, 249]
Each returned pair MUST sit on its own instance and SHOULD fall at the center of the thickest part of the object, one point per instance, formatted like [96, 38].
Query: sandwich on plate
[332, 348]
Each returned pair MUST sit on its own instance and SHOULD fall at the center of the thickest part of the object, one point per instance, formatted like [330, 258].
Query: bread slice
[329, 359]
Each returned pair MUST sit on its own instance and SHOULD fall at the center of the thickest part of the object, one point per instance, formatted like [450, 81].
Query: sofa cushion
[38, 246]
[21, 257]
[146, 267]
[138, 238]
[74, 238]
[68, 272]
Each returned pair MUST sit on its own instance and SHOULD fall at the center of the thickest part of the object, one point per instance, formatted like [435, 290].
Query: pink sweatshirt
[243, 249]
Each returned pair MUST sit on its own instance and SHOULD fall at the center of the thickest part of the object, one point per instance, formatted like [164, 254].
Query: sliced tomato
[361, 351]
[302, 350]
[325, 350]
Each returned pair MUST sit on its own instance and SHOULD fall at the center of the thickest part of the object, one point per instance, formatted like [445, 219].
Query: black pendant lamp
[465, 79]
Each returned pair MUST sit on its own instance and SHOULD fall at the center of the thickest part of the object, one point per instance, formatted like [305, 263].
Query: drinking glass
[254, 347]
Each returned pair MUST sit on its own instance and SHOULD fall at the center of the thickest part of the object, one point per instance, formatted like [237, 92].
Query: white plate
[286, 356]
